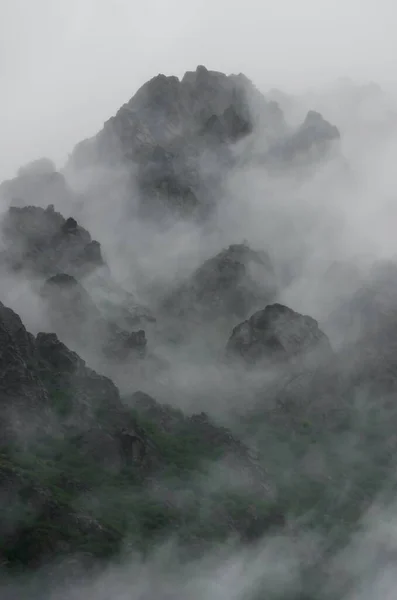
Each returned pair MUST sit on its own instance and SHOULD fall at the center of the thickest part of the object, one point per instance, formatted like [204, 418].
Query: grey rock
[168, 128]
[41, 242]
[232, 283]
[23, 397]
[276, 334]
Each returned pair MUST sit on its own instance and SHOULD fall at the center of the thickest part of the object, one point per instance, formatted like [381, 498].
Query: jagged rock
[230, 126]
[87, 395]
[47, 393]
[233, 283]
[70, 226]
[23, 397]
[63, 368]
[180, 137]
[55, 355]
[92, 254]
[161, 129]
[278, 333]
[41, 241]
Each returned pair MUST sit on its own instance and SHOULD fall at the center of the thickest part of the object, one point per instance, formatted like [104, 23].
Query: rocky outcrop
[278, 334]
[63, 370]
[42, 242]
[231, 284]
[42, 380]
[23, 397]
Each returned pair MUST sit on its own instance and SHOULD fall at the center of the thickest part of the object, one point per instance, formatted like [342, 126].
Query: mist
[285, 446]
[67, 67]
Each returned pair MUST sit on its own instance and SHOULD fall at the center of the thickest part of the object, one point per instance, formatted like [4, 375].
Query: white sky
[67, 65]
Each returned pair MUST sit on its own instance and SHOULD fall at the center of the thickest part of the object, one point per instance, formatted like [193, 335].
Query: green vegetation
[63, 501]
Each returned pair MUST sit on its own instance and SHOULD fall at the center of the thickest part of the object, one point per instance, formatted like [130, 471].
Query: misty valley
[198, 350]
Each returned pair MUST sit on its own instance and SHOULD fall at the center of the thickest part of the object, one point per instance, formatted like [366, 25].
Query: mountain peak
[185, 121]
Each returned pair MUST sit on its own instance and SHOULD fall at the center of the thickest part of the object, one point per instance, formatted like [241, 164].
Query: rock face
[34, 367]
[231, 284]
[23, 395]
[276, 334]
[63, 370]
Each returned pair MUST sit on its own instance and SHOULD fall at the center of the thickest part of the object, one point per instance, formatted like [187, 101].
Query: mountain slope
[96, 471]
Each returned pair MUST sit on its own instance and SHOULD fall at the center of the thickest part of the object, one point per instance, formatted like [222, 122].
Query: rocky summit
[277, 333]
[181, 138]
[165, 384]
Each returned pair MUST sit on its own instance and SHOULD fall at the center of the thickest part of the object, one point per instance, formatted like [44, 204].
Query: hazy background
[67, 65]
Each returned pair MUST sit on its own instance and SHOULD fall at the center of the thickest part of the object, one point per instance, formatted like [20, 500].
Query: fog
[65, 67]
